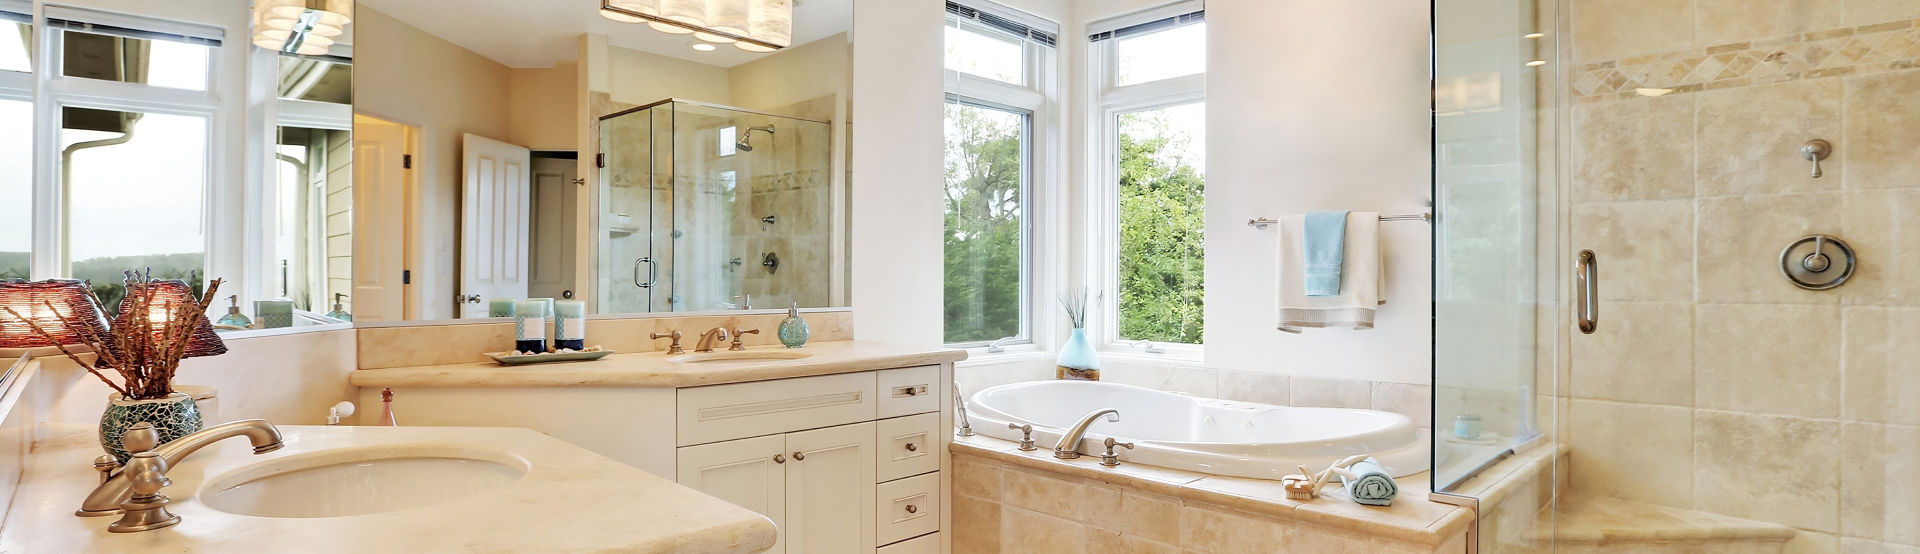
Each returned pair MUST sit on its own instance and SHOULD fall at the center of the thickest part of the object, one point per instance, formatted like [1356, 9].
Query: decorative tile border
[1844, 51]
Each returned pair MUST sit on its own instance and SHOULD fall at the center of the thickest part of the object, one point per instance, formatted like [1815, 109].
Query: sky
[141, 197]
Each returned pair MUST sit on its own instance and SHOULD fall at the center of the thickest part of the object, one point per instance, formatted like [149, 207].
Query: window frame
[1108, 102]
[56, 91]
[1039, 160]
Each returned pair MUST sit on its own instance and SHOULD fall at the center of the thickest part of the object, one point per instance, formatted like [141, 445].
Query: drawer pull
[912, 447]
[799, 456]
[779, 458]
[909, 391]
[912, 509]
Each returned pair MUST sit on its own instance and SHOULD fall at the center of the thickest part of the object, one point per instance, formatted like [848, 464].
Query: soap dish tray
[507, 358]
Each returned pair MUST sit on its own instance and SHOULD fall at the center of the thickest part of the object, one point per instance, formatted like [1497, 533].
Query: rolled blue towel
[1370, 485]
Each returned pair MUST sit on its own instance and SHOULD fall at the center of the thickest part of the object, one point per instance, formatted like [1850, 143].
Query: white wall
[897, 170]
[1316, 106]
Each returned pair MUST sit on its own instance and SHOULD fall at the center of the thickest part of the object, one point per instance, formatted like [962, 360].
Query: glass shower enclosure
[704, 207]
[1676, 305]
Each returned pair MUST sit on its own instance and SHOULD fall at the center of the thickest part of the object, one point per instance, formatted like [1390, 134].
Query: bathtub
[1220, 437]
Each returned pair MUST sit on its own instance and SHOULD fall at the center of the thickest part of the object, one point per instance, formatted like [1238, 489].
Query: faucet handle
[674, 349]
[141, 437]
[1110, 458]
[738, 335]
[1026, 436]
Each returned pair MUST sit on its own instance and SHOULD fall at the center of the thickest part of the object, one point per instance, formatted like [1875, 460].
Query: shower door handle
[653, 272]
[1586, 290]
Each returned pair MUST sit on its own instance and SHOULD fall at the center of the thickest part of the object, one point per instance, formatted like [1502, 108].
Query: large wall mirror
[508, 150]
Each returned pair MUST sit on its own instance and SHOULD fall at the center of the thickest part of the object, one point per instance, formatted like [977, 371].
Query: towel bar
[1262, 223]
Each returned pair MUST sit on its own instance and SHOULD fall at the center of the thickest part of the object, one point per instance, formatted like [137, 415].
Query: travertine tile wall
[1714, 384]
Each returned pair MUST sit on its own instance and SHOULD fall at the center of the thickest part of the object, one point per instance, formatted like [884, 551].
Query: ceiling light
[751, 25]
[305, 27]
[704, 47]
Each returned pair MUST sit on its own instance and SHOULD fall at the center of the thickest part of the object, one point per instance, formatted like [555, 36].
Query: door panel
[379, 220]
[750, 473]
[552, 258]
[830, 490]
[495, 212]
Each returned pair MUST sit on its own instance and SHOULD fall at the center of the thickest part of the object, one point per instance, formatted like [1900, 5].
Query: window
[1152, 172]
[311, 166]
[16, 188]
[16, 44]
[133, 56]
[138, 186]
[998, 77]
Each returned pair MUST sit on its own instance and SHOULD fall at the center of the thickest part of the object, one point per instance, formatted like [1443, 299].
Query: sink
[740, 356]
[349, 482]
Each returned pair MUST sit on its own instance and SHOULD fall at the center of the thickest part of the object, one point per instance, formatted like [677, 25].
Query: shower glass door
[636, 166]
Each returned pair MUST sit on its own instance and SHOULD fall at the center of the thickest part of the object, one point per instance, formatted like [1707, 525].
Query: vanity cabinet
[873, 483]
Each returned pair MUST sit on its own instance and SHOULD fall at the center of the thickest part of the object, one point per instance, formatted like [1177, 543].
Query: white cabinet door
[830, 490]
[750, 473]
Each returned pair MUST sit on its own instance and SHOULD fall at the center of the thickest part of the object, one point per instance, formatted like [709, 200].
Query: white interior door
[750, 473]
[379, 220]
[494, 208]
[830, 490]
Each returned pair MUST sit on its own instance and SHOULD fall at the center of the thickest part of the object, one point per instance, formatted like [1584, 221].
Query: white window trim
[1042, 198]
[1108, 102]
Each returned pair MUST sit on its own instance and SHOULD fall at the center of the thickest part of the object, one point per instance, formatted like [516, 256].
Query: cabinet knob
[779, 458]
[912, 509]
[911, 447]
[799, 456]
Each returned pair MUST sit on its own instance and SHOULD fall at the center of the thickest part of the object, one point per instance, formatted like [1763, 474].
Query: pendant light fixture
[305, 27]
[751, 25]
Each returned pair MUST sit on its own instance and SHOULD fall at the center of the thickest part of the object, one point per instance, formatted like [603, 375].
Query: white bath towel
[1362, 281]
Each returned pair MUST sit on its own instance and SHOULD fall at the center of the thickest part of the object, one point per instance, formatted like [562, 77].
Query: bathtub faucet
[1069, 447]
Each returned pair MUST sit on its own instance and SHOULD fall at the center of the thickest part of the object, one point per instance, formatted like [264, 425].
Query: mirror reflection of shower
[745, 144]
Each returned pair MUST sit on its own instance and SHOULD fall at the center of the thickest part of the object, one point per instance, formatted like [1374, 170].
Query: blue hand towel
[1370, 484]
[1325, 249]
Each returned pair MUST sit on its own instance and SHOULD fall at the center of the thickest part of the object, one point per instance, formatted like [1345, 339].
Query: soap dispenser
[233, 317]
[338, 312]
[793, 330]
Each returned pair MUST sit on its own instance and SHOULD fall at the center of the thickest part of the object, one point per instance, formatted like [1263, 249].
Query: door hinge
[406, 161]
[406, 276]
[600, 160]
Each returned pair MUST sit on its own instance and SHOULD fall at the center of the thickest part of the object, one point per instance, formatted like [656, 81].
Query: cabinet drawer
[723, 412]
[908, 446]
[907, 508]
[924, 544]
[910, 390]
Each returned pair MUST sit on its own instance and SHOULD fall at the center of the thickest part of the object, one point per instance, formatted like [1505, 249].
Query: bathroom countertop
[1411, 518]
[653, 369]
[569, 500]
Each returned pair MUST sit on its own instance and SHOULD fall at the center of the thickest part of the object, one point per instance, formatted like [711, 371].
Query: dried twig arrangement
[146, 341]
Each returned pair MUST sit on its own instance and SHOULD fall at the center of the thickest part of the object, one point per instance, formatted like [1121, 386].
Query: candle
[530, 326]
[500, 307]
[570, 324]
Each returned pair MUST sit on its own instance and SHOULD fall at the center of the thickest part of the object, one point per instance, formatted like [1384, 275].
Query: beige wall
[1714, 384]
[445, 91]
[541, 103]
[635, 77]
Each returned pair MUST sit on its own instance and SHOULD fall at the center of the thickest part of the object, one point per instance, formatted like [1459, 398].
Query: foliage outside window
[984, 231]
[1162, 206]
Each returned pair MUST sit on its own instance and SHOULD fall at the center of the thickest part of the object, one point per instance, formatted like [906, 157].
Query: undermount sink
[348, 482]
[740, 356]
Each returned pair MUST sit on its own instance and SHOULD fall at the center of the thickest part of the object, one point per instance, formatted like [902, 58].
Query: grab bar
[1586, 288]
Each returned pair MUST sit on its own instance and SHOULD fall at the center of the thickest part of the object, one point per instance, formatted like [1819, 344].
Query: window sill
[1183, 354]
[1011, 354]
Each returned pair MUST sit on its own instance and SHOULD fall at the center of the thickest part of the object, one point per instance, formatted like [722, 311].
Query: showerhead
[745, 144]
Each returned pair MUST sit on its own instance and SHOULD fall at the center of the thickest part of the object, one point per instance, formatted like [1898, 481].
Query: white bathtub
[1220, 437]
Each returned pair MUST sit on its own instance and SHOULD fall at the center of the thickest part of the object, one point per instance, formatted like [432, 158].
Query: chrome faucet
[1069, 446]
[135, 489]
[707, 339]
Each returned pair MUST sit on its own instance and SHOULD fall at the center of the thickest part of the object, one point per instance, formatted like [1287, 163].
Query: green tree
[983, 223]
[1162, 233]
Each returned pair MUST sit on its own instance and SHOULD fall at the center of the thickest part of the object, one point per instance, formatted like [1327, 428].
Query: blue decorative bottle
[793, 330]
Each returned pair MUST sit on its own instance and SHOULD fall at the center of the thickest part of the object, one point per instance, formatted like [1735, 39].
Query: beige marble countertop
[1411, 517]
[653, 369]
[569, 500]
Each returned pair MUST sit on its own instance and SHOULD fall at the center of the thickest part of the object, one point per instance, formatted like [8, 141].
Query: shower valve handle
[1026, 436]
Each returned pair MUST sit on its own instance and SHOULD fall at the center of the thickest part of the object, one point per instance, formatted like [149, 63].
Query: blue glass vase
[1078, 362]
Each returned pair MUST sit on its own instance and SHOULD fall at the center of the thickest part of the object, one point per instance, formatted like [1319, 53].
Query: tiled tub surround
[1714, 385]
[1009, 501]
[463, 342]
